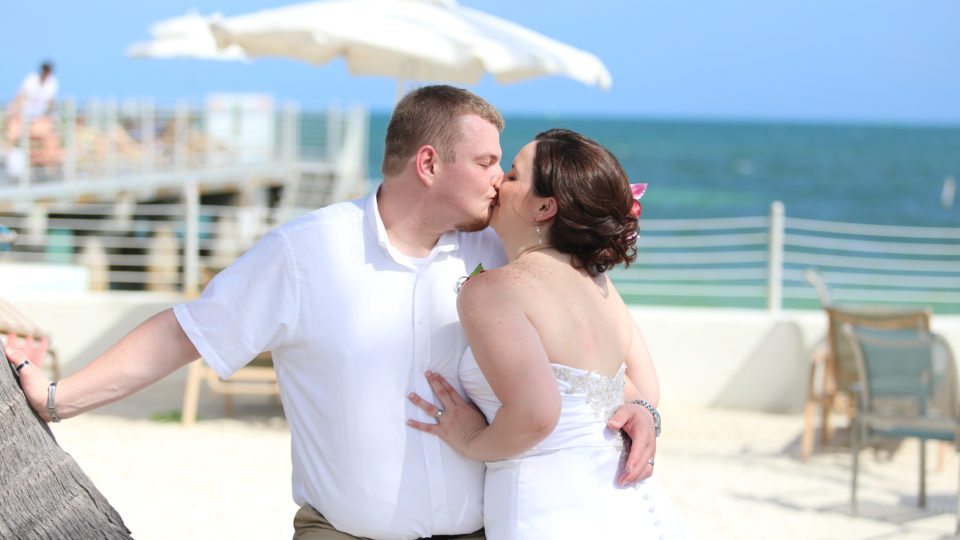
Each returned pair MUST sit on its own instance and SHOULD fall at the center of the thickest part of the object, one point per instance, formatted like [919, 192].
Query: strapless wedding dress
[565, 487]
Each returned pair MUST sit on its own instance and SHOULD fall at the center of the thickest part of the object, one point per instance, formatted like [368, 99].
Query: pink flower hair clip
[638, 190]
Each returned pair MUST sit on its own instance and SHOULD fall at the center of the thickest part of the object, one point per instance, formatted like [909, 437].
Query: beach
[734, 474]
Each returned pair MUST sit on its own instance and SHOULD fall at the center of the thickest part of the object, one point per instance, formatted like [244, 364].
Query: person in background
[35, 104]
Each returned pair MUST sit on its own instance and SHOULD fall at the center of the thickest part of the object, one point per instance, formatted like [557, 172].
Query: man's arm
[149, 353]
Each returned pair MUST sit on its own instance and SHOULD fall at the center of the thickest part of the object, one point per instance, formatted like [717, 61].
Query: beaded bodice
[602, 393]
[588, 399]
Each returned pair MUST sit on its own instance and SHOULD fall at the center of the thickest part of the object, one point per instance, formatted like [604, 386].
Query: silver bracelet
[653, 411]
[51, 404]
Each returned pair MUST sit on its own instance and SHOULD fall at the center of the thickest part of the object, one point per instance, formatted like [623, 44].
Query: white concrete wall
[718, 357]
[746, 359]
[83, 325]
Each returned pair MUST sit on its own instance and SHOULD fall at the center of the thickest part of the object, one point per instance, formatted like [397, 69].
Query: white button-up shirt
[37, 94]
[353, 324]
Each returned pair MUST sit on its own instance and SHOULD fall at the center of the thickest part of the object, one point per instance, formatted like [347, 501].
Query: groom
[356, 301]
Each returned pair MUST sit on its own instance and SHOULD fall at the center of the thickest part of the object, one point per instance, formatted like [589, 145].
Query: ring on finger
[650, 461]
[22, 365]
[438, 414]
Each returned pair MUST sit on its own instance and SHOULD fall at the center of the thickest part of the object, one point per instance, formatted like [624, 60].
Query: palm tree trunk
[43, 492]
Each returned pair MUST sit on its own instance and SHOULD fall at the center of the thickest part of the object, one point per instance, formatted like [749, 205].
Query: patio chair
[256, 378]
[832, 368]
[907, 387]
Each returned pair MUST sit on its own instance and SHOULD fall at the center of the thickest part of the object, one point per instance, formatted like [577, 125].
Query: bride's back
[581, 320]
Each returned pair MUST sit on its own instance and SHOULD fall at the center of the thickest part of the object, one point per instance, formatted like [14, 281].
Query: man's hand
[637, 423]
[33, 380]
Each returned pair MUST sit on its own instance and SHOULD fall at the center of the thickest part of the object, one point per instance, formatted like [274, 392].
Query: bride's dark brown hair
[593, 222]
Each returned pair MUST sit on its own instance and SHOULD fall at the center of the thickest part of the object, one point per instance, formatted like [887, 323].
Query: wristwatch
[653, 411]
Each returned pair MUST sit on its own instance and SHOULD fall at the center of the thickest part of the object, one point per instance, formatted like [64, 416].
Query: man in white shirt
[39, 92]
[34, 103]
[356, 301]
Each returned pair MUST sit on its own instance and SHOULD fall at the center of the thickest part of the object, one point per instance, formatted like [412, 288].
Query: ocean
[891, 175]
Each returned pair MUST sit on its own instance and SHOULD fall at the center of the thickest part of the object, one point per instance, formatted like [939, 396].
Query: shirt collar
[448, 241]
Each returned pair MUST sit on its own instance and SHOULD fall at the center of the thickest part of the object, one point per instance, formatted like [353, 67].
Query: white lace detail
[604, 394]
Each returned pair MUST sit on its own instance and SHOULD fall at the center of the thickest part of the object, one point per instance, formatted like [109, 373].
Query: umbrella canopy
[187, 36]
[423, 40]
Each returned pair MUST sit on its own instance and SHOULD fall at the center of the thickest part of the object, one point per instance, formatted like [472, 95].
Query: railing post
[181, 135]
[775, 258]
[70, 140]
[148, 127]
[288, 154]
[25, 148]
[334, 132]
[191, 238]
[94, 123]
[111, 131]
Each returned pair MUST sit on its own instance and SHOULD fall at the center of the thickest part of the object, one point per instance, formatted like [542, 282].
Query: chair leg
[922, 499]
[809, 413]
[806, 439]
[956, 531]
[855, 450]
[191, 393]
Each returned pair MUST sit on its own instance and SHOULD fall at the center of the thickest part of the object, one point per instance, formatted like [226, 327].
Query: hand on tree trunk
[33, 380]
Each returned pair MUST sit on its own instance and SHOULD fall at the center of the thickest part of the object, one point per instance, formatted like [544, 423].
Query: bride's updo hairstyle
[593, 222]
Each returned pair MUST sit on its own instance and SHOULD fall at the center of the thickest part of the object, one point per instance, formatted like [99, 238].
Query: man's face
[468, 184]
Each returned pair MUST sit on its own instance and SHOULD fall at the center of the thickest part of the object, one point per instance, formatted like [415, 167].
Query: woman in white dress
[553, 352]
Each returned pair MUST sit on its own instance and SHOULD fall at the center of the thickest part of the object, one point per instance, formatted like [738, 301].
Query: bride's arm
[514, 362]
[642, 382]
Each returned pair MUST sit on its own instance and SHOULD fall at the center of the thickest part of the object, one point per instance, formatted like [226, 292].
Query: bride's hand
[457, 422]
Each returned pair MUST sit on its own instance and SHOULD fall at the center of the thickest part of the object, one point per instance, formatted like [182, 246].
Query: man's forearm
[150, 352]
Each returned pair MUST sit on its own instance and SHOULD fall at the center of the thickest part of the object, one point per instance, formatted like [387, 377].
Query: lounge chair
[906, 387]
[832, 369]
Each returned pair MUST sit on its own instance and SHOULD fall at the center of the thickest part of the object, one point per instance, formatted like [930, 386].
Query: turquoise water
[861, 174]
[890, 175]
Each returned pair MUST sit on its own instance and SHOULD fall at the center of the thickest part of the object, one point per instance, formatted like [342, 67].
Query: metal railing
[752, 262]
[139, 145]
[129, 246]
[758, 262]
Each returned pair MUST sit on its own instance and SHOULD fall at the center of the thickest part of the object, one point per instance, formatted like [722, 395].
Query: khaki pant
[309, 524]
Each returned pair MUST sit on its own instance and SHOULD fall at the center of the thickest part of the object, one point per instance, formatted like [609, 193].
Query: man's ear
[426, 161]
[547, 209]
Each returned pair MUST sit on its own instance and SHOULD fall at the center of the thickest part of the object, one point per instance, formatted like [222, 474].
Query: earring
[539, 238]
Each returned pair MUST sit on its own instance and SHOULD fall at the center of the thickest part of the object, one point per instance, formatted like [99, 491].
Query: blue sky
[877, 61]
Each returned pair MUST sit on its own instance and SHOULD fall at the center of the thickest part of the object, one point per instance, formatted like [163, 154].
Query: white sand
[733, 474]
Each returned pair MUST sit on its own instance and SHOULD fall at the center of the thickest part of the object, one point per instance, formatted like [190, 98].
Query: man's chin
[474, 226]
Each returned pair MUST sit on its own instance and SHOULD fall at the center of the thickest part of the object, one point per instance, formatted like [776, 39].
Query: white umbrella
[424, 40]
[187, 36]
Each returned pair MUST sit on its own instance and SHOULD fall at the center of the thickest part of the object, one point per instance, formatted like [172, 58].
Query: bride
[553, 352]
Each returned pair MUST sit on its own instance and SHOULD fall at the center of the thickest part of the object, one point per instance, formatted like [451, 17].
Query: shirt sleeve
[250, 307]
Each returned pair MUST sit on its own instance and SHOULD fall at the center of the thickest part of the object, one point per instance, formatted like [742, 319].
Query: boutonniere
[476, 272]
[638, 190]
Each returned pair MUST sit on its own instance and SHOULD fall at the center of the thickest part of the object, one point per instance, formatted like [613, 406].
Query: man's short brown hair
[429, 115]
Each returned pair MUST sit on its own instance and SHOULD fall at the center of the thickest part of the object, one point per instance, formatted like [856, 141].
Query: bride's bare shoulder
[497, 287]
